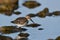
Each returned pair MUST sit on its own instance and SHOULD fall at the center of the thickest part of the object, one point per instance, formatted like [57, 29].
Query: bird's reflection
[5, 37]
[22, 36]
[31, 4]
[11, 29]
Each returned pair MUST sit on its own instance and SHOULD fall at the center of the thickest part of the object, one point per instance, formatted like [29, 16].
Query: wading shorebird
[22, 21]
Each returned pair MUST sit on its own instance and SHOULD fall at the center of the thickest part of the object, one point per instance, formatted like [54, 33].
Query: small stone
[31, 4]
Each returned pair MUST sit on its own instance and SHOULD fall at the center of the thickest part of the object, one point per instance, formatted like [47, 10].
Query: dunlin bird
[22, 21]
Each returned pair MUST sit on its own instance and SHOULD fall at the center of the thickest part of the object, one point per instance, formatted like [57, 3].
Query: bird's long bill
[32, 20]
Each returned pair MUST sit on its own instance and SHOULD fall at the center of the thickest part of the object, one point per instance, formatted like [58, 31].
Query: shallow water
[51, 25]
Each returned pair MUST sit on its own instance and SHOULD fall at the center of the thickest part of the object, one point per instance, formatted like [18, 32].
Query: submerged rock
[7, 7]
[22, 36]
[11, 29]
[31, 15]
[31, 4]
[56, 13]
[5, 38]
[58, 38]
[33, 25]
[43, 13]
[51, 39]
[7, 29]
[40, 29]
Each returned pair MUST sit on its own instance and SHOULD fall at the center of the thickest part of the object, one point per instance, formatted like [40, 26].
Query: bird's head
[28, 17]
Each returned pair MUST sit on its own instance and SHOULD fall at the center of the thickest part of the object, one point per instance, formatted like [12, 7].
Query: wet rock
[50, 14]
[33, 25]
[58, 38]
[40, 29]
[22, 29]
[22, 36]
[8, 29]
[5, 38]
[51, 39]
[56, 13]
[43, 13]
[17, 13]
[31, 15]
[31, 4]
[7, 7]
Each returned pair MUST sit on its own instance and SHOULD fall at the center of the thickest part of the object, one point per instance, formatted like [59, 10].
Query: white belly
[19, 25]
